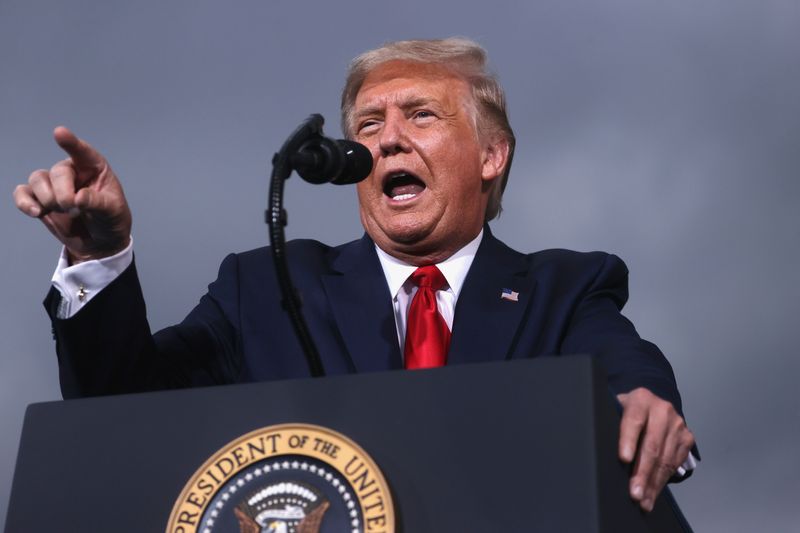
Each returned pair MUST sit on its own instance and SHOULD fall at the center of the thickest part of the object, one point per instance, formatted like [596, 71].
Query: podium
[525, 445]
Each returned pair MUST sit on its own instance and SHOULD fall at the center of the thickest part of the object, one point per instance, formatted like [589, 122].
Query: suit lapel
[486, 326]
[362, 307]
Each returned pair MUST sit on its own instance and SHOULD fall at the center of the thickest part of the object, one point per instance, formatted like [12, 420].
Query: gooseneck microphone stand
[317, 159]
[276, 218]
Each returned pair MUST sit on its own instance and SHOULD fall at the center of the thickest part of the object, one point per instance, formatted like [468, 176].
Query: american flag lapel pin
[508, 294]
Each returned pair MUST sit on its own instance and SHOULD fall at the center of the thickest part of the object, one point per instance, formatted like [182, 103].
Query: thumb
[87, 200]
[100, 203]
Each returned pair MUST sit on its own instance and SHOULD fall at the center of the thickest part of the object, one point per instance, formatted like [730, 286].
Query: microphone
[324, 160]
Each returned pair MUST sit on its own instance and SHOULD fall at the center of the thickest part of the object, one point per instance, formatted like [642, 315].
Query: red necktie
[427, 334]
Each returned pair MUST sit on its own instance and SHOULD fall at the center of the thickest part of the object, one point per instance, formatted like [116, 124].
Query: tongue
[410, 188]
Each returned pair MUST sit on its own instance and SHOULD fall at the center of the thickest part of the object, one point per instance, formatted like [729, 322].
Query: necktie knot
[429, 276]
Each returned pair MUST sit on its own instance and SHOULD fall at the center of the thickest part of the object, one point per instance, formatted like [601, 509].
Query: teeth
[403, 197]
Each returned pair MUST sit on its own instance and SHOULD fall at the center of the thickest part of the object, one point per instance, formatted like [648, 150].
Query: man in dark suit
[427, 285]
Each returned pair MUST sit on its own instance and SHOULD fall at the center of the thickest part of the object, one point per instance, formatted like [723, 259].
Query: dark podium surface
[501, 447]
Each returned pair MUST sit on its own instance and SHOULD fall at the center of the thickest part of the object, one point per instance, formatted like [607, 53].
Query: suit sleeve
[107, 347]
[597, 326]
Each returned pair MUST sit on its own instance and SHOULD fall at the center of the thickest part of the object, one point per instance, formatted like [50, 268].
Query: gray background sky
[666, 132]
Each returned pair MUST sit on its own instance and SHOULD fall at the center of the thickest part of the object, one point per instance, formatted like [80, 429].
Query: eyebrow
[409, 103]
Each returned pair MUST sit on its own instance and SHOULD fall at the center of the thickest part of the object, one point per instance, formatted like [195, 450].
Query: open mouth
[403, 186]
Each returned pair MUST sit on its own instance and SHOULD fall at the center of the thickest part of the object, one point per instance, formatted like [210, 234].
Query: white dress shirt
[402, 289]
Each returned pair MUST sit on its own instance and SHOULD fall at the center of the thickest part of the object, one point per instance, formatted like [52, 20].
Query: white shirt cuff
[689, 464]
[78, 284]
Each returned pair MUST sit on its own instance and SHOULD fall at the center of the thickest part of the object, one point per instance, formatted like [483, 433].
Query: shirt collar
[454, 268]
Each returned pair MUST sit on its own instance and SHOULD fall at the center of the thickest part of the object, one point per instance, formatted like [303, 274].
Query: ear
[495, 158]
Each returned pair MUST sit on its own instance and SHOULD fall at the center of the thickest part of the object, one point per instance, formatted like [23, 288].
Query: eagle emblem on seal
[285, 507]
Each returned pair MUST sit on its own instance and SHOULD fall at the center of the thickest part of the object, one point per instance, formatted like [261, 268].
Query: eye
[423, 117]
[367, 126]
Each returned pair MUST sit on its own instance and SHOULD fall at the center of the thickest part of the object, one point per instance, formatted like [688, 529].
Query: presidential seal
[288, 478]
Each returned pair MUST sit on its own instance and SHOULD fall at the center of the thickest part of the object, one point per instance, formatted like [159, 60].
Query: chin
[407, 236]
[403, 228]
[396, 241]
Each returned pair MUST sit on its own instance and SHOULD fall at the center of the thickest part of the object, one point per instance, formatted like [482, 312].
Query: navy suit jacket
[568, 303]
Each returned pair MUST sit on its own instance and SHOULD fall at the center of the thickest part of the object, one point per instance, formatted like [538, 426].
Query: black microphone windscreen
[358, 163]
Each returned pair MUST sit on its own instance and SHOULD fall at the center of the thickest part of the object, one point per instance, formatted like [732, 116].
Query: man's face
[427, 193]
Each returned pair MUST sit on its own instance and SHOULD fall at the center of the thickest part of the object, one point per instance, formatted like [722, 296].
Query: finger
[83, 155]
[634, 419]
[62, 180]
[650, 458]
[26, 202]
[664, 467]
[42, 189]
[687, 442]
[678, 445]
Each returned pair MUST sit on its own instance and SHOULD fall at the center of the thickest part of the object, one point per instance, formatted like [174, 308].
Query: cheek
[373, 148]
[369, 196]
[457, 153]
[361, 189]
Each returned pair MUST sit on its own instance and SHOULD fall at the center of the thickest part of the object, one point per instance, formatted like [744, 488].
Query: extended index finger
[83, 155]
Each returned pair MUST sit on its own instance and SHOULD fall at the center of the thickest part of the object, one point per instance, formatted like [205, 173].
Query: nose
[393, 137]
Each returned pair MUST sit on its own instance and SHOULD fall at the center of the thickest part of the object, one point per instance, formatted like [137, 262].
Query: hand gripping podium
[502, 447]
